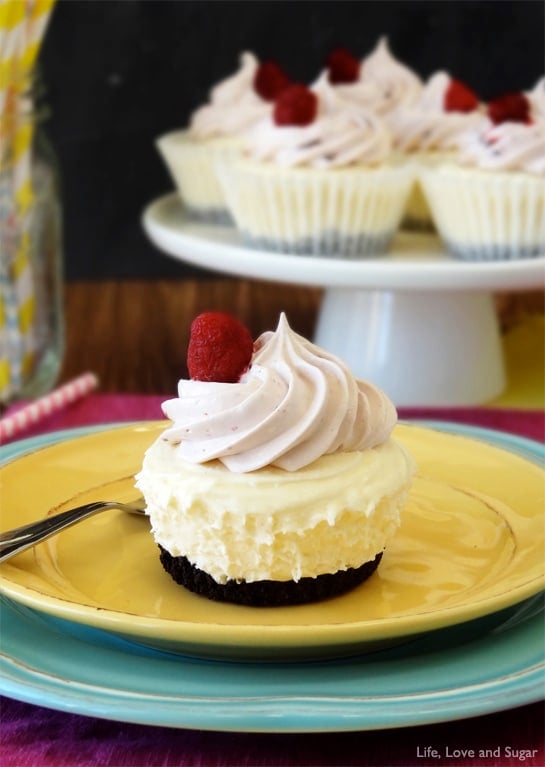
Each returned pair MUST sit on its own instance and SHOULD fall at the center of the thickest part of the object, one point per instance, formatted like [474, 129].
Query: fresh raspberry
[342, 66]
[511, 107]
[270, 80]
[297, 105]
[460, 98]
[220, 348]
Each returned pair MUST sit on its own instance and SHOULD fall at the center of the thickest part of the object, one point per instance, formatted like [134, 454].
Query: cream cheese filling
[335, 513]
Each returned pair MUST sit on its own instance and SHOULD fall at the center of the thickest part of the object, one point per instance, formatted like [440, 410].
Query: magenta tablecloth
[34, 737]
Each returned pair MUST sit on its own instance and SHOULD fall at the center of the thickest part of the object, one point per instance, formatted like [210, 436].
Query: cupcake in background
[215, 130]
[316, 177]
[428, 132]
[490, 205]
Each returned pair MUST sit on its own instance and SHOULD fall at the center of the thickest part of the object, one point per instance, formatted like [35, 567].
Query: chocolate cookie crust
[266, 593]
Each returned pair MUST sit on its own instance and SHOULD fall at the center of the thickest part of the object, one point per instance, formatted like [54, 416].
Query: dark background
[118, 73]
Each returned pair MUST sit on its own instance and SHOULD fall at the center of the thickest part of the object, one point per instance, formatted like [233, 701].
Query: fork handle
[14, 541]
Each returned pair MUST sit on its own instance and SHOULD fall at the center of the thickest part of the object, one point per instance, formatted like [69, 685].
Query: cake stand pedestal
[422, 348]
[416, 322]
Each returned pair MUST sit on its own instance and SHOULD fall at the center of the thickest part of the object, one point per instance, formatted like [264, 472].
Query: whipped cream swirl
[426, 126]
[342, 134]
[234, 105]
[537, 100]
[295, 403]
[363, 93]
[396, 85]
[509, 146]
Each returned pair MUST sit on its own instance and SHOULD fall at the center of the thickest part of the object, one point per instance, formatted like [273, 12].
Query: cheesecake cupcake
[214, 131]
[489, 204]
[383, 84]
[279, 483]
[317, 177]
[427, 133]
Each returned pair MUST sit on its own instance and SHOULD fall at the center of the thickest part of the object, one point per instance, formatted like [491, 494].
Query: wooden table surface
[133, 334]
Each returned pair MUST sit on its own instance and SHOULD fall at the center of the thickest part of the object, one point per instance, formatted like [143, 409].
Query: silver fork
[14, 541]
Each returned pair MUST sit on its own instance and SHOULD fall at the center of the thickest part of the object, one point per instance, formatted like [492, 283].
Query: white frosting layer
[426, 126]
[339, 512]
[234, 105]
[510, 146]
[394, 83]
[342, 134]
[296, 403]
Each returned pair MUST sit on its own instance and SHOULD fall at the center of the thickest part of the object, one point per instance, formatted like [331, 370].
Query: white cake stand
[416, 322]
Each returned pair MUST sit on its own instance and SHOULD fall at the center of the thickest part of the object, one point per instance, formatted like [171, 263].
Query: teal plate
[474, 668]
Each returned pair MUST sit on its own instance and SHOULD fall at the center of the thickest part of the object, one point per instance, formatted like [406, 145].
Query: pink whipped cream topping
[234, 105]
[295, 403]
[426, 125]
[394, 83]
[342, 134]
[509, 146]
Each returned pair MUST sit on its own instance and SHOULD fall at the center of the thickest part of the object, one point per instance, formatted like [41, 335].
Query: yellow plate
[471, 543]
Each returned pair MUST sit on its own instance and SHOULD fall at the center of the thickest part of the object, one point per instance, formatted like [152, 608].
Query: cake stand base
[423, 348]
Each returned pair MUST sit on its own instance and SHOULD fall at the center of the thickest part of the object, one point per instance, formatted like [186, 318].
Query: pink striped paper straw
[13, 425]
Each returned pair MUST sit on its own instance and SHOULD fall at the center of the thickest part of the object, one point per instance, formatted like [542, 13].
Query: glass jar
[31, 313]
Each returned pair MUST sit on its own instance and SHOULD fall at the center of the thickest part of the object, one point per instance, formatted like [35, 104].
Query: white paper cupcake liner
[485, 216]
[349, 212]
[192, 166]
